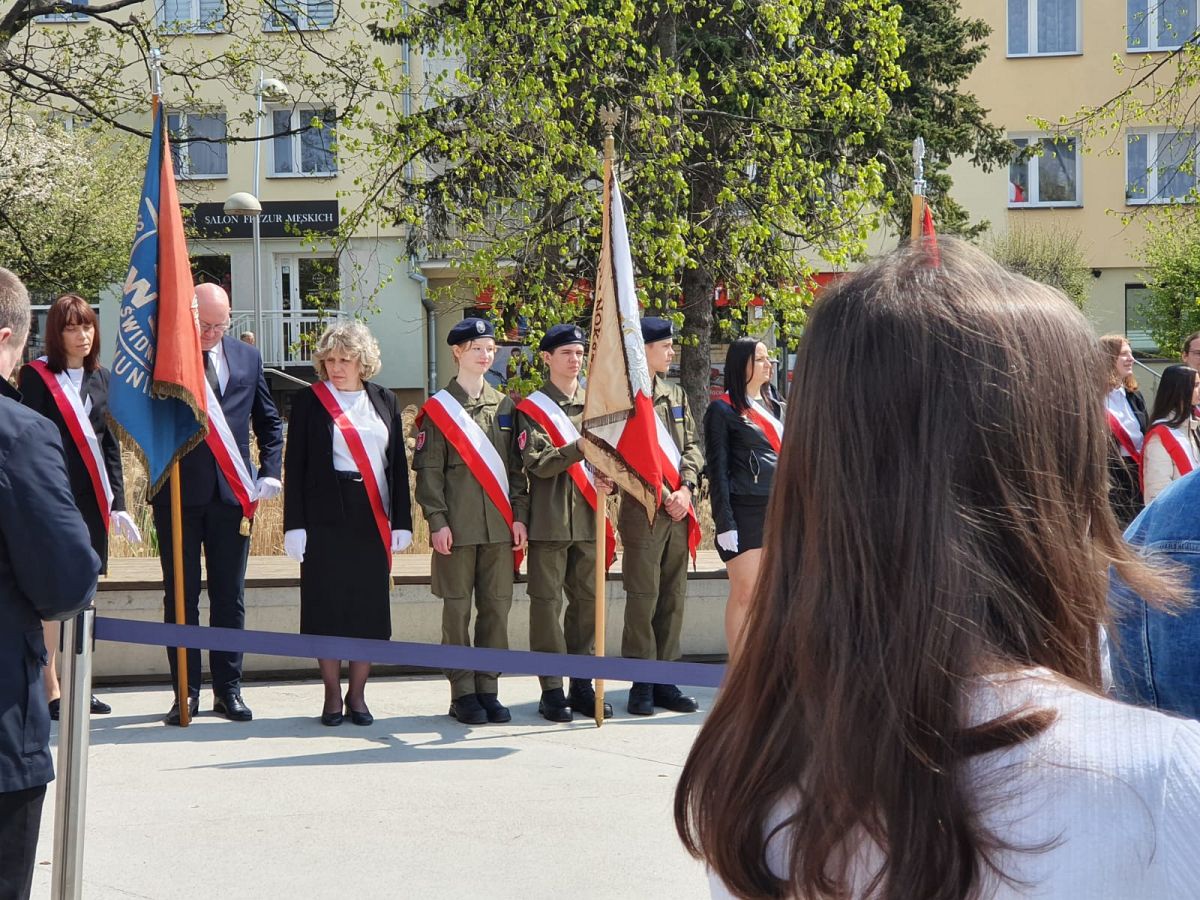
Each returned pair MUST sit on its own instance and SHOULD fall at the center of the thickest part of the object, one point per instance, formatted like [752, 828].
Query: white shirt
[1158, 467]
[1117, 788]
[217, 359]
[76, 376]
[373, 431]
[1118, 404]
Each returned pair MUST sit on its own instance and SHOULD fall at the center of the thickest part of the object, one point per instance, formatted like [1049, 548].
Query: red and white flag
[618, 412]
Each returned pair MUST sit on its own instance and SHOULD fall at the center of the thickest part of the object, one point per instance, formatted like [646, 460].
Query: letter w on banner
[157, 391]
[618, 411]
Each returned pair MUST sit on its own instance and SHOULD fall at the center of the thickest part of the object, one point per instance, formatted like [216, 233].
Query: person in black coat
[341, 527]
[212, 516]
[1128, 421]
[742, 431]
[48, 570]
[72, 356]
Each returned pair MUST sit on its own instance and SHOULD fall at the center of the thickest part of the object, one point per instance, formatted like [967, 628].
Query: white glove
[268, 488]
[294, 542]
[401, 541]
[122, 523]
[727, 541]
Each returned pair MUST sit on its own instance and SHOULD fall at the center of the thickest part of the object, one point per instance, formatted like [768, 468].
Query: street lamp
[247, 204]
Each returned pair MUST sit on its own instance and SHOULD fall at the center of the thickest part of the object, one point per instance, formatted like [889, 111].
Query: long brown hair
[70, 309]
[944, 518]
[1112, 344]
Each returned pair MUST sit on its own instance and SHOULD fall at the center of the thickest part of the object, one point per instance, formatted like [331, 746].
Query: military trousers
[556, 567]
[654, 570]
[485, 571]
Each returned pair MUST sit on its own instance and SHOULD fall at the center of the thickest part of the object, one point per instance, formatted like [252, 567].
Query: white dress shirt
[373, 431]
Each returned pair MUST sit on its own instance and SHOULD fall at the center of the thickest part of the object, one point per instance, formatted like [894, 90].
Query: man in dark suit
[48, 570]
[212, 516]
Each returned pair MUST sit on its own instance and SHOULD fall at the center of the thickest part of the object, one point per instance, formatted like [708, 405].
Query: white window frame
[1031, 39]
[194, 24]
[1154, 135]
[295, 15]
[184, 148]
[65, 17]
[1152, 44]
[298, 115]
[1035, 174]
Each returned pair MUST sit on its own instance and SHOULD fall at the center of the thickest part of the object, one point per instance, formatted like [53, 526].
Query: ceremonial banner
[618, 412]
[157, 392]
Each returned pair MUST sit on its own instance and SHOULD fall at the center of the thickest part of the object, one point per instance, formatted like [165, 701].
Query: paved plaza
[415, 806]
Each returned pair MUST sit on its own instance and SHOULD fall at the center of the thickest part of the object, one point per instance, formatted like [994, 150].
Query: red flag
[928, 234]
[618, 412]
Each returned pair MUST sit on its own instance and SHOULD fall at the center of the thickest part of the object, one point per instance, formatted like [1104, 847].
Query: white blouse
[373, 431]
[1118, 404]
[76, 377]
[1158, 467]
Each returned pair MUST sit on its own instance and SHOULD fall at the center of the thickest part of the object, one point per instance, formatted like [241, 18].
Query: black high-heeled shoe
[358, 717]
[332, 718]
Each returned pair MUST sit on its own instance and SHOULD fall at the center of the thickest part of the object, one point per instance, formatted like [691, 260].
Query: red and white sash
[373, 480]
[477, 451]
[762, 419]
[1124, 438]
[562, 431]
[70, 407]
[1174, 446]
[229, 459]
[671, 458]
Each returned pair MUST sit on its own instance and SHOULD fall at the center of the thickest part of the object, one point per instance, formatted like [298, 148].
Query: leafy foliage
[1173, 259]
[1049, 255]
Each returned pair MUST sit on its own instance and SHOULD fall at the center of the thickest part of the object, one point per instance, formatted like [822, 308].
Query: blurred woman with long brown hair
[916, 709]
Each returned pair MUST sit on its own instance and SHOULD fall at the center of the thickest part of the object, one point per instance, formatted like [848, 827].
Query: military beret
[468, 330]
[656, 329]
[560, 335]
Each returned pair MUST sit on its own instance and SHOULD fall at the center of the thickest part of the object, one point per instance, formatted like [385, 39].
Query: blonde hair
[1112, 346]
[356, 341]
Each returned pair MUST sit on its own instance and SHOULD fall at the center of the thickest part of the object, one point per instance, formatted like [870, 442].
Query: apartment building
[1048, 59]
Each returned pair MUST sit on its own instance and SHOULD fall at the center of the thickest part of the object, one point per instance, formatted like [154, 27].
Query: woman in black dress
[71, 360]
[742, 433]
[346, 506]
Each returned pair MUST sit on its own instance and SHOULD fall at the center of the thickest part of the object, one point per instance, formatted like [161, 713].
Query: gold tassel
[244, 528]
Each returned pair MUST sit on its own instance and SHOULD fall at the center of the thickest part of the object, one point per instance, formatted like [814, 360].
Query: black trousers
[20, 819]
[215, 527]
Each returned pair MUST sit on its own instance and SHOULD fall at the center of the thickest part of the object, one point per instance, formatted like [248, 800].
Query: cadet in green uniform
[654, 564]
[473, 545]
[562, 529]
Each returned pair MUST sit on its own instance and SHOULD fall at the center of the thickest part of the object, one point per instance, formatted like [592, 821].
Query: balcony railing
[288, 338]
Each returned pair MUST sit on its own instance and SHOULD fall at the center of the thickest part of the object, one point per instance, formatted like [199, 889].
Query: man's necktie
[210, 372]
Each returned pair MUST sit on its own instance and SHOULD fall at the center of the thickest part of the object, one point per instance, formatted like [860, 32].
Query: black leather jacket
[740, 461]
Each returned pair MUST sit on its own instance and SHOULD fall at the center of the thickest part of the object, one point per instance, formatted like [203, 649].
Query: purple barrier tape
[404, 653]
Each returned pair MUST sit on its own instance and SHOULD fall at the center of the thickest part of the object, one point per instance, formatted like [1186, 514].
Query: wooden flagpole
[918, 197]
[608, 119]
[185, 707]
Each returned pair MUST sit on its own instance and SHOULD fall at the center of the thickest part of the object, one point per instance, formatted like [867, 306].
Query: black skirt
[749, 514]
[346, 576]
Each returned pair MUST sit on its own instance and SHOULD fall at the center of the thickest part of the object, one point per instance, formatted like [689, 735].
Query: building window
[1043, 27]
[298, 15]
[198, 147]
[192, 15]
[1044, 172]
[1160, 24]
[304, 142]
[1137, 331]
[1160, 166]
[65, 16]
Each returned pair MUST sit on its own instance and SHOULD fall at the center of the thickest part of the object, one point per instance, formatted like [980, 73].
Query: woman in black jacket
[1125, 409]
[346, 507]
[742, 434]
[72, 365]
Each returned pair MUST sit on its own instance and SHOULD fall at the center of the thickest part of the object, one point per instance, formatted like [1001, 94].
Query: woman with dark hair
[1172, 445]
[1127, 420]
[346, 507]
[742, 433]
[70, 388]
[916, 708]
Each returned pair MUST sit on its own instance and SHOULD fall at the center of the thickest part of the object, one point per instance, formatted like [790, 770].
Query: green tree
[749, 141]
[1172, 310]
[1049, 255]
[68, 206]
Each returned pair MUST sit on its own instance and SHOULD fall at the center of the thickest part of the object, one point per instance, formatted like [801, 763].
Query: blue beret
[656, 329]
[468, 330]
[561, 335]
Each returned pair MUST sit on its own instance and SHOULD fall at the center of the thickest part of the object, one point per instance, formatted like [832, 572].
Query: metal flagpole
[70, 804]
[918, 198]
